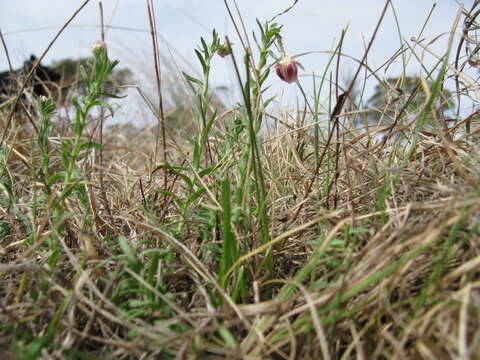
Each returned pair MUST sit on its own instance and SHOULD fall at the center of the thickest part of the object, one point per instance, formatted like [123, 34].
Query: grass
[264, 234]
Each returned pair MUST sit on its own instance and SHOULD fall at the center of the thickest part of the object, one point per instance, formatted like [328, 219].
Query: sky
[310, 27]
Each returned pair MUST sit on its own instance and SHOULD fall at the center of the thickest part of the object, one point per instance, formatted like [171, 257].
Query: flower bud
[224, 50]
[287, 69]
[99, 47]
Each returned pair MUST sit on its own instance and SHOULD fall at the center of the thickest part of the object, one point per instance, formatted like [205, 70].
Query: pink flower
[287, 69]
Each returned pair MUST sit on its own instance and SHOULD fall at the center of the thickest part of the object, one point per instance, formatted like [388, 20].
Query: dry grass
[374, 241]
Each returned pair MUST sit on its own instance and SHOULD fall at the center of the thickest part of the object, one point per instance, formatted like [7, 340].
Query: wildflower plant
[307, 241]
[203, 113]
[70, 180]
[94, 97]
[56, 188]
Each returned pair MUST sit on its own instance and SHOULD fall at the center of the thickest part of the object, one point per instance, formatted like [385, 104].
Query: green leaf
[206, 171]
[65, 154]
[170, 194]
[55, 177]
[175, 170]
[7, 191]
[84, 75]
[196, 155]
[197, 194]
[100, 103]
[127, 250]
[227, 337]
[192, 79]
[205, 47]
[114, 96]
[202, 61]
[229, 244]
[264, 76]
[91, 144]
[82, 195]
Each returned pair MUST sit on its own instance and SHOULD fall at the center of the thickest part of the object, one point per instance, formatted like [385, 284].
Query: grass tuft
[345, 228]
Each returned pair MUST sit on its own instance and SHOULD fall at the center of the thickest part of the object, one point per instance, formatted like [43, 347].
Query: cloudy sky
[312, 25]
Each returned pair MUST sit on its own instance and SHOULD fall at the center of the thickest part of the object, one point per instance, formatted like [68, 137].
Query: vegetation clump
[320, 233]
